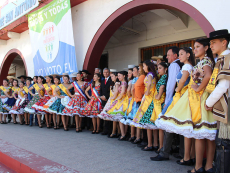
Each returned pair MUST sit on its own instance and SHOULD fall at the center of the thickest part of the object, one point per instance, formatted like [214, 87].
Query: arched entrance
[7, 61]
[129, 10]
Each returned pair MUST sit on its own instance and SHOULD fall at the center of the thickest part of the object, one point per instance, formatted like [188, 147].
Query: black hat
[218, 34]
[22, 76]
[86, 71]
[29, 78]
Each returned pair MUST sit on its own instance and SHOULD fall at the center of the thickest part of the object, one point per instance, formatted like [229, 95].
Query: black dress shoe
[147, 148]
[159, 158]
[142, 144]
[137, 141]
[186, 163]
[104, 133]
[176, 155]
[201, 170]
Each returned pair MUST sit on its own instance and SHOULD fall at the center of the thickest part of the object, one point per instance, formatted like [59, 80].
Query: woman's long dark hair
[15, 80]
[113, 83]
[58, 78]
[93, 83]
[131, 69]
[209, 51]
[191, 58]
[124, 73]
[43, 80]
[165, 65]
[52, 79]
[151, 67]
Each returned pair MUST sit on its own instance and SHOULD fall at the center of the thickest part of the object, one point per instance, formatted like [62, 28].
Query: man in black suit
[105, 93]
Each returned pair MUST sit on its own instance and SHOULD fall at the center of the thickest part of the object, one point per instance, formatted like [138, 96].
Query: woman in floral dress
[78, 101]
[38, 93]
[63, 99]
[4, 97]
[147, 121]
[20, 104]
[94, 106]
[53, 98]
[150, 86]
[116, 110]
[38, 106]
[104, 114]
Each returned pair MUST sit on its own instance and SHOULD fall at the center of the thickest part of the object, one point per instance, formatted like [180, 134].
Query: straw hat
[11, 77]
[157, 57]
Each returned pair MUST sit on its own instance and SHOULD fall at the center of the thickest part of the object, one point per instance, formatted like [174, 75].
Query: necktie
[105, 81]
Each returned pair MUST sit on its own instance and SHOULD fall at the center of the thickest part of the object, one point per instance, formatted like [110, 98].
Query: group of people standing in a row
[153, 100]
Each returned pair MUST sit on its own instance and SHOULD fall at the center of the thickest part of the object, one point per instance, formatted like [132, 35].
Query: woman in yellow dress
[150, 86]
[189, 116]
[183, 78]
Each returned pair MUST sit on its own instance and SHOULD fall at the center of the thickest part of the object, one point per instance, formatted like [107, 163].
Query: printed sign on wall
[51, 34]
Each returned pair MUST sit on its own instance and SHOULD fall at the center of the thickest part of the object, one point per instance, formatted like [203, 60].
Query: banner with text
[51, 34]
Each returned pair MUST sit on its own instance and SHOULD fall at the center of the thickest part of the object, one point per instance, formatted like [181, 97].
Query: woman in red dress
[78, 101]
[94, 106]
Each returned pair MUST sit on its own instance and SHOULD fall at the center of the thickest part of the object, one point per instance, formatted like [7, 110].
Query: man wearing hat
[22, 78]
[218, 101]
[73, 76]
[85, 74]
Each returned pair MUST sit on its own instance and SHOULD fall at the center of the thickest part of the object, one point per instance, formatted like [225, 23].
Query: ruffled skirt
[38, 106]
[178, 120]
[28, 108]
[104, 115]
[19, 106]
[92, 109]
[59, 105]
[9, 104]
[75, 106]
[117, 114]
[2, 101]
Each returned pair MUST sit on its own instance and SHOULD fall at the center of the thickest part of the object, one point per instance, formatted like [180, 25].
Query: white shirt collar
[107, 78]
[175, 60]
[227, 51]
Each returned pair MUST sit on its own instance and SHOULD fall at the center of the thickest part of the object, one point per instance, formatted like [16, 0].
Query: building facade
[119, 32]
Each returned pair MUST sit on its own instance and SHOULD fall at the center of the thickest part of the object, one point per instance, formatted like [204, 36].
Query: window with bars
[147, 53]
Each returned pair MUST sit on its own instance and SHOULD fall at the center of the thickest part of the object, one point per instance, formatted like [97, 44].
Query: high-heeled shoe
[112, 136]
[131, 139]
[77, 130]
[66, 129]
[122, 138]
[93, 132]
[137, 141]
[97, 132]
[186, 163]
[147, 148]
[211, 170]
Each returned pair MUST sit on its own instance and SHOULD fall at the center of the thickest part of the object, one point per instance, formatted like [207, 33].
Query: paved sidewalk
[86, 152]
